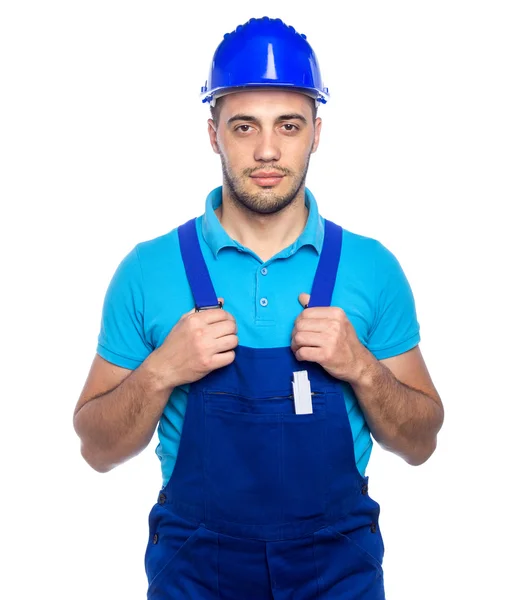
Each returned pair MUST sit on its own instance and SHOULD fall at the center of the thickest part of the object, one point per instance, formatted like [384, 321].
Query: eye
[289, 127]
[243, 128]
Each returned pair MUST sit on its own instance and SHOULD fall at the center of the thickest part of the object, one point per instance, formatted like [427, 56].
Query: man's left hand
[325, 335]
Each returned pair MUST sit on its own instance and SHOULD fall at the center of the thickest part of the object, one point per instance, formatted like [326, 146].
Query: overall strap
[327, 270]
[201, 283]
[195, 267]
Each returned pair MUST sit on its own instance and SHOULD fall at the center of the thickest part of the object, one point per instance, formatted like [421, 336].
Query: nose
[267, 149]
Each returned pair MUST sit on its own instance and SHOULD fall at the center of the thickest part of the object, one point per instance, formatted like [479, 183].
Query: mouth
[267, 179]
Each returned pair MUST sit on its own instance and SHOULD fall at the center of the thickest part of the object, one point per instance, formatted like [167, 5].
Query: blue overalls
[264, 503]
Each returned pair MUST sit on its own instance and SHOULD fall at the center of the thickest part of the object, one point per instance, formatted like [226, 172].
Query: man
[266, 343]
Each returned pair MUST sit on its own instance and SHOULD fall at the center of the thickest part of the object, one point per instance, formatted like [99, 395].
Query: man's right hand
[199, 343]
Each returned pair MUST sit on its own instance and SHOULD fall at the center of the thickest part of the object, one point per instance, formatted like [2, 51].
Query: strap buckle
[200, 308]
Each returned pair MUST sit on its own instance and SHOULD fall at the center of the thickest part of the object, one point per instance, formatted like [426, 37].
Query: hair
[215, 110]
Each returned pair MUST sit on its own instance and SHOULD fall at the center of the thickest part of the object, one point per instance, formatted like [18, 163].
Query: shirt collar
[216, 237]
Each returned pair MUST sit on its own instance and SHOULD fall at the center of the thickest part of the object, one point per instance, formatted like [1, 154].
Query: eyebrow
[252, 119]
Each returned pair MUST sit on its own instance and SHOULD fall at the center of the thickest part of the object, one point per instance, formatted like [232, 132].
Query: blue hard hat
[264, 53]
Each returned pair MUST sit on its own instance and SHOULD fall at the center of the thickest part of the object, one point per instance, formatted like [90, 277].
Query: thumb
[304, 299]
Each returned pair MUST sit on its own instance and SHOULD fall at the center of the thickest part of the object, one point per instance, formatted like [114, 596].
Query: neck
[265, 235]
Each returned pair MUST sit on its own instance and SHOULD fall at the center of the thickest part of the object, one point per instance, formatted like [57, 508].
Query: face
[265, 139]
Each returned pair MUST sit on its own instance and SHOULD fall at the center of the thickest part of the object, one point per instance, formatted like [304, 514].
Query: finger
[306, 353]
[317, 325]
[304, 299]
[226, 343]
[222, 359]
[222, 328]
[322, 312]
[309, 339]
[214, 315]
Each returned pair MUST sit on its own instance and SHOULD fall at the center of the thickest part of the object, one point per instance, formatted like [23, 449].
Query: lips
[267, 178]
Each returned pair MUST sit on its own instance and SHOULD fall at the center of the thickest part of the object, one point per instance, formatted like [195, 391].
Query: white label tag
[302, 393]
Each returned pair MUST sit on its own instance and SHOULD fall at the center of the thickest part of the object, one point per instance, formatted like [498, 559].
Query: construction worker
[267, 344]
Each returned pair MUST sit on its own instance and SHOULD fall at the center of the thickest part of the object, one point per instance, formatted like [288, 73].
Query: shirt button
[364, 490]
[161, 499]
[263, 302]
[373, 528]
[264, 271]
[155, 538]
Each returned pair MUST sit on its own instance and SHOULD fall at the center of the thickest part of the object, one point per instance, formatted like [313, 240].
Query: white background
[103, 144]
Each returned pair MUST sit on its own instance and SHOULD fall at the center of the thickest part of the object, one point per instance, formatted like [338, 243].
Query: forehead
[265, 102]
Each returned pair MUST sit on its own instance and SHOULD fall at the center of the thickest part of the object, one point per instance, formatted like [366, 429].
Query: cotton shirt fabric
[149, 293]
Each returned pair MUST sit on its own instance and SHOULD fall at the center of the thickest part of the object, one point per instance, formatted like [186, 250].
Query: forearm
[119, 424]
[402, 419]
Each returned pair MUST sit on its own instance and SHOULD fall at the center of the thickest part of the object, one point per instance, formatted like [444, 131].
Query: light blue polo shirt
[149, 292]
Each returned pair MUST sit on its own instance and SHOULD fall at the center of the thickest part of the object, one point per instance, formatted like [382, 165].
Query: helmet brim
[212, 96]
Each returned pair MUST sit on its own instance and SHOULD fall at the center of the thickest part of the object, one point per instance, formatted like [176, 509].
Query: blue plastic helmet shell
[264, 53]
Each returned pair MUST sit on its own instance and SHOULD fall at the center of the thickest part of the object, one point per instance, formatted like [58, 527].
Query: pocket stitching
[320, 412]
[168, 563]
[374, 560]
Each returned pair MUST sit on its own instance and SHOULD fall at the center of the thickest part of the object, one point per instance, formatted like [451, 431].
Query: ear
[318, 130]
[212, 132]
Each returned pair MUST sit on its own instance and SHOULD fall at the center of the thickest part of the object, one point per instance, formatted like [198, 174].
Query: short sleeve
[395, 328]
[121, 340]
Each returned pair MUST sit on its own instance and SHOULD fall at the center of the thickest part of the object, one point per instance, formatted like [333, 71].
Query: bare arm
[117, 412]
[397, 396]
[400, 404]
[119, 409]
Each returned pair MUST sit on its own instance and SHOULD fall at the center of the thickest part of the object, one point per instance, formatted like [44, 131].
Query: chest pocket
[264, 464]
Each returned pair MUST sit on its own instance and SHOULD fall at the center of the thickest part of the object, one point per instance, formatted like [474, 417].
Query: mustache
[249, 172]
